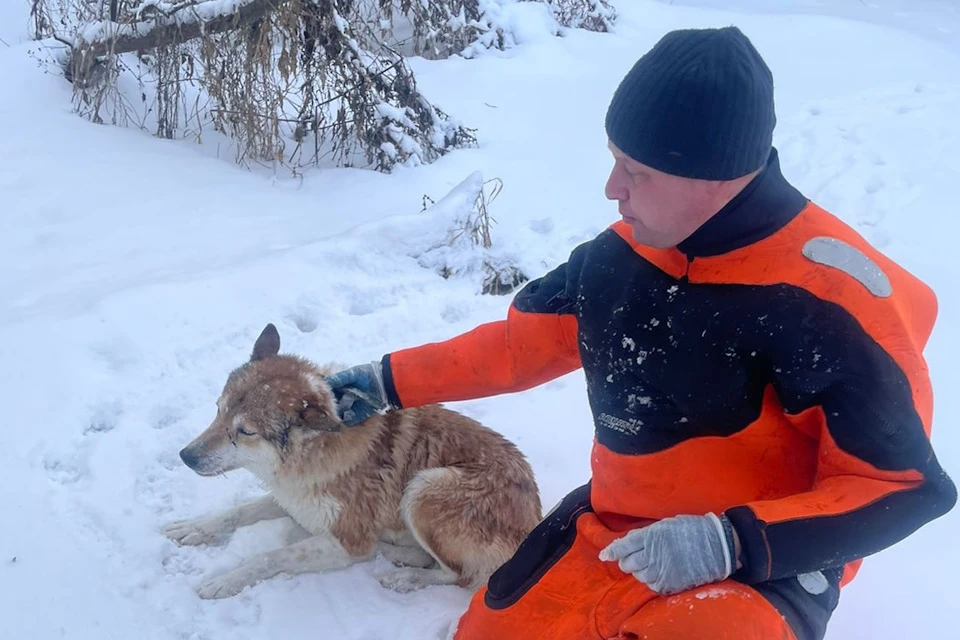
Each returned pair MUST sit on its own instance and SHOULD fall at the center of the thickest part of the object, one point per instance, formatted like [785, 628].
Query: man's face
[663, 210]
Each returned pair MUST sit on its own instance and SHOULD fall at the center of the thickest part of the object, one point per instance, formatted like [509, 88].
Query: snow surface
[138, 272]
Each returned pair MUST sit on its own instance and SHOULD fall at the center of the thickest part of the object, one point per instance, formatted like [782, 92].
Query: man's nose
[614, 189]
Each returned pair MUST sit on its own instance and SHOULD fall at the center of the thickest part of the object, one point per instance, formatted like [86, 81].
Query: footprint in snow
[104, 418]
[850, 135]
[305, 318]
[166, 415]
[170, 459]
[177, 563]
[874, 184]
[151, 491]
[363, 306]
[309, 312]
[119, 354]
[64, 470]
[542, 225]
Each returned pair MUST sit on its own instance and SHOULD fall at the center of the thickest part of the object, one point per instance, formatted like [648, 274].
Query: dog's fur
[427, 487]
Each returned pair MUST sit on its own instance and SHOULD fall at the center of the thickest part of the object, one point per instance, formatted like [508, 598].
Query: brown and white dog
[426, 487]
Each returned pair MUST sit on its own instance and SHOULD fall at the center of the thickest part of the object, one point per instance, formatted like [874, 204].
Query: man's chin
[642, 235]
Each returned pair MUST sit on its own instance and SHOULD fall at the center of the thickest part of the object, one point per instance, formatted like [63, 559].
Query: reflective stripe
[814, 582]
[847, 258]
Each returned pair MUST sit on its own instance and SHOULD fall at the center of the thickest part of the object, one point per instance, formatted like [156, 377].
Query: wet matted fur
[427, 487]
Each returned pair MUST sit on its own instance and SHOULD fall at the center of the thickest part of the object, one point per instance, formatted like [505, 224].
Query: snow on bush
[439, 29]
[452, 237]
[295, 83]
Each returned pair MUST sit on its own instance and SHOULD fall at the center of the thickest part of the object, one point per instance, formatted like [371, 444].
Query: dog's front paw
[400, 581]
[194, 532]
[407, 579]
[223, 586]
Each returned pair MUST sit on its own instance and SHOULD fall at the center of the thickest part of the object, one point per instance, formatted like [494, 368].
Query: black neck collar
[765, 206]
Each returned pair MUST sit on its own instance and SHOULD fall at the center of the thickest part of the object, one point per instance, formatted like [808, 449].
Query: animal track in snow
[64, 469]
[170, 460]
[176, 562]
[305, 319]
[105, 417]
[363, 306]
[874, 184]
[119, 355]
[542, 225]
[149, 492]
[308, 312]
[166, 415]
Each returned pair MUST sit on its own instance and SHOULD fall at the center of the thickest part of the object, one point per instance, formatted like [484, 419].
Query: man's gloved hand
[678, 553]
[359, 391]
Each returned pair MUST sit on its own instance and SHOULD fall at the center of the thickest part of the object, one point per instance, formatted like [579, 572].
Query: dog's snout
[189, 457]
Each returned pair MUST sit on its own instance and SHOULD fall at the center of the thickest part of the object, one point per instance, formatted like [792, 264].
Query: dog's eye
[244, 432]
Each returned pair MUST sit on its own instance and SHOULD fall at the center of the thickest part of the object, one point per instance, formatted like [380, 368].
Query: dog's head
[267, 405]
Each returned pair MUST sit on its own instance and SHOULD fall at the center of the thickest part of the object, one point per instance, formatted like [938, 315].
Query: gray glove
[360, 392]
[676, 554]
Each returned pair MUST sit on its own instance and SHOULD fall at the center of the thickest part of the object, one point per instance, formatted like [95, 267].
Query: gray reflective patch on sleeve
[847, 258]
[814, 582]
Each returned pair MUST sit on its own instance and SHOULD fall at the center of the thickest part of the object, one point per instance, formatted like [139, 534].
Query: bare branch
[110, 37]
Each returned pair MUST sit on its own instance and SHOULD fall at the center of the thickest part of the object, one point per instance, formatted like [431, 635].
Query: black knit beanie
[698, 105]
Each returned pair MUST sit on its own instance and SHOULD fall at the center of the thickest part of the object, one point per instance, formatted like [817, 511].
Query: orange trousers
[558, 589]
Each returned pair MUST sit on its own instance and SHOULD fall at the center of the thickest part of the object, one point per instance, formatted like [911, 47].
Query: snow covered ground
[137, 273]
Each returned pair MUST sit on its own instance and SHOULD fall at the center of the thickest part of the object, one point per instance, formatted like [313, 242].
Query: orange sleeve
[537, 342]
[853, 510]
[864, 381]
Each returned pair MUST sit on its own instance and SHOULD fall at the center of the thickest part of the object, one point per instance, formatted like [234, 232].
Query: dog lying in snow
[443, 497]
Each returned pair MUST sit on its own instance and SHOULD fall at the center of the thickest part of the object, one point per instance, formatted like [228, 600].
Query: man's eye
[244, 432]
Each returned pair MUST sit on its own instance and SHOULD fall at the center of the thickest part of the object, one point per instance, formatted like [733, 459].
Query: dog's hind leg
[313, 555]
[209, 529]
[467, 522]
[425, 511]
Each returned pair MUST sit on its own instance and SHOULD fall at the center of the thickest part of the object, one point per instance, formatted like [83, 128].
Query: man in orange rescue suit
[754, 367]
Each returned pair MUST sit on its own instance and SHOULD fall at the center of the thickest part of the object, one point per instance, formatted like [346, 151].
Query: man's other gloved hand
[359, 391]
[676, 554]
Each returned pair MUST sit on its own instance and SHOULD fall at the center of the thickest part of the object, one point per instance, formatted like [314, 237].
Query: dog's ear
[267, 345]
[314, 418]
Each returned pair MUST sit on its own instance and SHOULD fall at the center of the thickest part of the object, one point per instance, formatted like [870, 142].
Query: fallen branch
[172, 26]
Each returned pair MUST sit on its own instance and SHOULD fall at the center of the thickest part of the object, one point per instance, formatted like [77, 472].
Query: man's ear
[267, 345]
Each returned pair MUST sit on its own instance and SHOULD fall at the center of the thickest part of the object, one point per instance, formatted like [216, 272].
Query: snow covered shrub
[287, 82]
[440, 28]
[453, 238]
[291, 82]
[592, 15]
